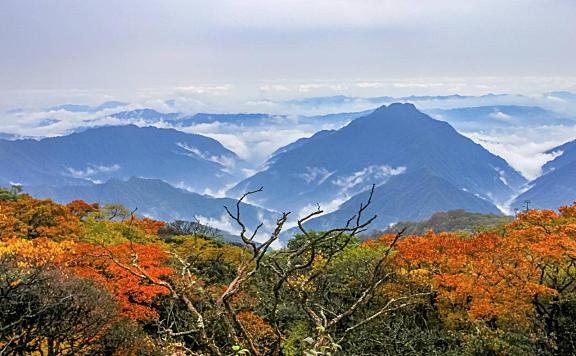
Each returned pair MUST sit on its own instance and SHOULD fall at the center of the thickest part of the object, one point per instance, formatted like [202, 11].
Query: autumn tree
[293, 273]
[30, 218]
[47, 310]
[81, 209]
[510, 286]
[103, 264]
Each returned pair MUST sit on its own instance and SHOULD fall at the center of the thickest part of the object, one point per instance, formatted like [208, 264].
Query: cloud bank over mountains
[519, 128]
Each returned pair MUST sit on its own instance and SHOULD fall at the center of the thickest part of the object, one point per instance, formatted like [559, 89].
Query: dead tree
[302, 257]
[283, 265]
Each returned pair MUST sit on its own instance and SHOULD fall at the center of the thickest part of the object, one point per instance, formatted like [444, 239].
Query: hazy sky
[163, 45]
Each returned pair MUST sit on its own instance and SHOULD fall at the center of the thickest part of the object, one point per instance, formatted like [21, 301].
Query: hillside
[96, 155]
[116, 284]
[158, 200]
[452, 221]
[333, 166]
[413, 196]
[556, 187]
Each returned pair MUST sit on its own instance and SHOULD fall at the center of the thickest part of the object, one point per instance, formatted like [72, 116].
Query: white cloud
[524, 148]
[206, 89]
[500, 116]
[310, 87]
[227, 162]
[421, 85]
[91, 170]
[350, 185]
[316, 175]
[255, 144]
[275, 88]
[370, 174]
[502, 175]
[371, 85]
[327, 206]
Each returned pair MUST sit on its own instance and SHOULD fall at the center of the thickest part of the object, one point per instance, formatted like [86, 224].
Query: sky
[89, 50]
[256, 55]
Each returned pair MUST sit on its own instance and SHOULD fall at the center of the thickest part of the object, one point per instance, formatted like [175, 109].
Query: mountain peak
[396, 108]
[374, 148]
[399, 115]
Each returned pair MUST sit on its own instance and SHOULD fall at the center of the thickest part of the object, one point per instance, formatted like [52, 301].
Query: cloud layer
[522, 144]
[136, 44]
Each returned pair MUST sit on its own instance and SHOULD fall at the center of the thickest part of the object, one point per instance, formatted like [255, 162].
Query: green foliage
[296, 344]
[11, 193]
[240, 351]
[104, 231]
[452, 221]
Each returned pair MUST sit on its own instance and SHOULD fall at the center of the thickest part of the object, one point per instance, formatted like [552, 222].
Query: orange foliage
[256, 327]
[135, 295]
[496, 277]
[149, 226]
[81, 209]
[34, 253]
[30, 218]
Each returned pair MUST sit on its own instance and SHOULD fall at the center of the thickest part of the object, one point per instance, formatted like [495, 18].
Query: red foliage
[149, 226]
[81, 209]
[115, 268]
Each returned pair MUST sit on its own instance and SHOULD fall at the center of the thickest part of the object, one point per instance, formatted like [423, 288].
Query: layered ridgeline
[194, 161]
[158, 200]
[499, 116]
[413, 196]
[150, 117]
[419, 164]
[557, 186]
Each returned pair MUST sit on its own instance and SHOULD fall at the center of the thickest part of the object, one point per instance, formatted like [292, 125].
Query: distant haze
[131, 48]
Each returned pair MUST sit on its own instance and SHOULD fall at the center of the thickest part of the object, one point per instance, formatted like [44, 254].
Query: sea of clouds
[524, 146]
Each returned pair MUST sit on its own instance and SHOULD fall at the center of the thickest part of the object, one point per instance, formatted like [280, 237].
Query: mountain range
[557, 186]
[499, 116]
[341, 100]
[151, 116]
[194, 161]
[420, 165]
[157, 199]
[413, 196]
[88, 108]
[333, 166]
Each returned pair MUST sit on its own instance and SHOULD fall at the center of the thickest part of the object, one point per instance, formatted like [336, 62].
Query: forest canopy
[88, 279]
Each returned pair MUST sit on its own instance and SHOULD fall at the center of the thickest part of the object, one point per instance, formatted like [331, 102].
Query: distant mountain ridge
[99, 154]
[151, 116]
[413, 196]
[557, 186]
[378, 100]
[499, 116]
[156, 199]
[88, 108]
